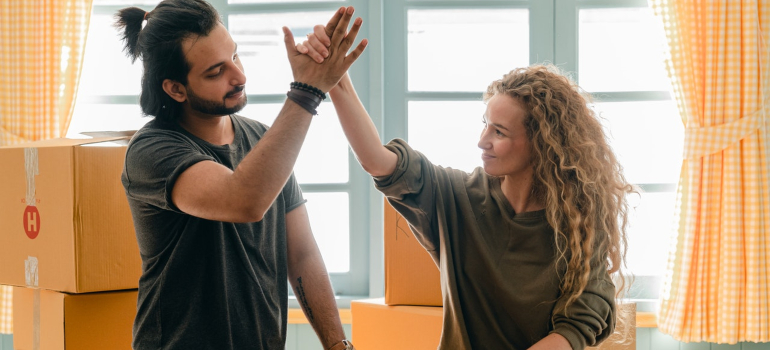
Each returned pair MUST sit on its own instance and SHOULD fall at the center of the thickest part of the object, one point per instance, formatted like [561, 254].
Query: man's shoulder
[157, 129]
[157, 134]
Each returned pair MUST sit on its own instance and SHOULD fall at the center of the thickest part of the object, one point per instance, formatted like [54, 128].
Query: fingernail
[326, 54]
[350, 10]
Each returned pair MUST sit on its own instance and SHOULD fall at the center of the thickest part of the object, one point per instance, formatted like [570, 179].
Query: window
[421, 79]
[619, 58]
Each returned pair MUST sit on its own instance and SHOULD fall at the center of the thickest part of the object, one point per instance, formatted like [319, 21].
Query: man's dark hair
[159, 46]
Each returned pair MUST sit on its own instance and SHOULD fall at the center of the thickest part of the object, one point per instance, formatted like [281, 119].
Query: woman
[527, 244]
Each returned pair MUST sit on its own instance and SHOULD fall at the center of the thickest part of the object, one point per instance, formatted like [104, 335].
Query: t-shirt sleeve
[411, 190]
[292, 194]
[154, 161]
[590, 319]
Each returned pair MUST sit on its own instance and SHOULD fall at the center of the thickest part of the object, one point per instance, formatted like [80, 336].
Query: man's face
[215, 83]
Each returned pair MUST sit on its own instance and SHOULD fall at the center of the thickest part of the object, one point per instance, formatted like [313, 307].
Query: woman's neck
[520, 194]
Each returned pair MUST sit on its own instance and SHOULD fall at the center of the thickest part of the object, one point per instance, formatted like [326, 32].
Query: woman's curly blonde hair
[576, 174]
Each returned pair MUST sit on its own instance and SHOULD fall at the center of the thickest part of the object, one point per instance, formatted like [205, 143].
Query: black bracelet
[304, 99]
[309, 88]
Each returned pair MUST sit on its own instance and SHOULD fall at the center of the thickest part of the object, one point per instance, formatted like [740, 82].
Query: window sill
[296, 316]
[646, 320]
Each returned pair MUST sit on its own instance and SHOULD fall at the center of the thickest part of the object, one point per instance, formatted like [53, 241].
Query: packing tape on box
[30, 275]
[31, 264]
[30, 164]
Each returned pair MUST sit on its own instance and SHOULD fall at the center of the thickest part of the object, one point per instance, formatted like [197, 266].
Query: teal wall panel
[695, 346]
[643, 336]
[302, 337]
[6, 342]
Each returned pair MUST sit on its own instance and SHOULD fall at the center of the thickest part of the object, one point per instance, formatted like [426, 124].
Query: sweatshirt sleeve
[411, 190]
[590, 319]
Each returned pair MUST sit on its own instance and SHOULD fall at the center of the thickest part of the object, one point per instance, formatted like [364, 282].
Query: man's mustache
[236, 90]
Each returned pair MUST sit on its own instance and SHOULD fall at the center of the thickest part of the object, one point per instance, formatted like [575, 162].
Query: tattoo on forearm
[300, 292]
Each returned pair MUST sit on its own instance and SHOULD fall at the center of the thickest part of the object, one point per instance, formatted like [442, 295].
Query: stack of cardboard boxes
[67, 244]
[410, 315]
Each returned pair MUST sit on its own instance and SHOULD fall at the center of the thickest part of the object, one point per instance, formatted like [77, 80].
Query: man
[219, 217]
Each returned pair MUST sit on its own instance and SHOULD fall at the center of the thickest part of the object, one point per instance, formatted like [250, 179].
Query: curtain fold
[41, 53]
[717, 286]
[6, 310]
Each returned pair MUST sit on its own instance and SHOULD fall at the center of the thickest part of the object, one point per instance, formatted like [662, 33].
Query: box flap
[122, 133]
[58, 142]
[411, 276]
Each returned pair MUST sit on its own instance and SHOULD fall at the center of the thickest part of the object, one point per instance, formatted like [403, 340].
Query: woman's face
[504, 143]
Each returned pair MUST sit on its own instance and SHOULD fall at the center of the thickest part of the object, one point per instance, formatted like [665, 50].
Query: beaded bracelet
[309, 88]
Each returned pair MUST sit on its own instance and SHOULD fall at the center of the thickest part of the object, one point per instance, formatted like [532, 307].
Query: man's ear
[175, 89]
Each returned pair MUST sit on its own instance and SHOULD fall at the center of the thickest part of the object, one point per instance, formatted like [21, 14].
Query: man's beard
[203, 105]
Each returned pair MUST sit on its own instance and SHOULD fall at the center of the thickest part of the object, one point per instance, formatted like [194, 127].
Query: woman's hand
[317, 43]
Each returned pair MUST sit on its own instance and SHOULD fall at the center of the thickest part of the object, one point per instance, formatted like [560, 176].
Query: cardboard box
[377, 326]
[66, 225]
[411, 276]
[51, 320]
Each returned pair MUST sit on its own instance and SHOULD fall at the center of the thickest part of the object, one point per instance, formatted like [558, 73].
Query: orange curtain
[717, 288]
[41, 53]
[6, 315]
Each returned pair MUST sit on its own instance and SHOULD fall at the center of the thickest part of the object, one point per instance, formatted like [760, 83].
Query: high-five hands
[317, 43]
[326, 72]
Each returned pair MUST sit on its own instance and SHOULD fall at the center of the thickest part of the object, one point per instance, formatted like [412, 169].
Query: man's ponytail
[129, 22]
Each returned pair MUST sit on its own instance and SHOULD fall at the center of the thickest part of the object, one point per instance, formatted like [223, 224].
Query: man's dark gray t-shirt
[205, 284]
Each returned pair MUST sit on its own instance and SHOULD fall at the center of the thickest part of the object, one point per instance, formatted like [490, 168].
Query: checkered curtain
[717, 288]
[6, 315]
[41, 51]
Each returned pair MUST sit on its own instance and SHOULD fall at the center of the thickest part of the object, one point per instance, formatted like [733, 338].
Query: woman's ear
[175, 89]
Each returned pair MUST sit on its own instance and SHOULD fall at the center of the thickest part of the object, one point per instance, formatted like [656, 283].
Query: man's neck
[217, 130]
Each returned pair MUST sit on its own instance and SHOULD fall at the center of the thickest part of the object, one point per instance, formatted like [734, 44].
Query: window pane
[329, 220]
[126, 2]
[465, 50]
[447, 132]
[621, 50]
[105, 117]
[647, 137]
[649, 233]
[324, 154]
[275, 1]
[261, 47]
[106, 69]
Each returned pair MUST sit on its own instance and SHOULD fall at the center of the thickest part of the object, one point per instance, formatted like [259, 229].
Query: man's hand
[326, 74]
